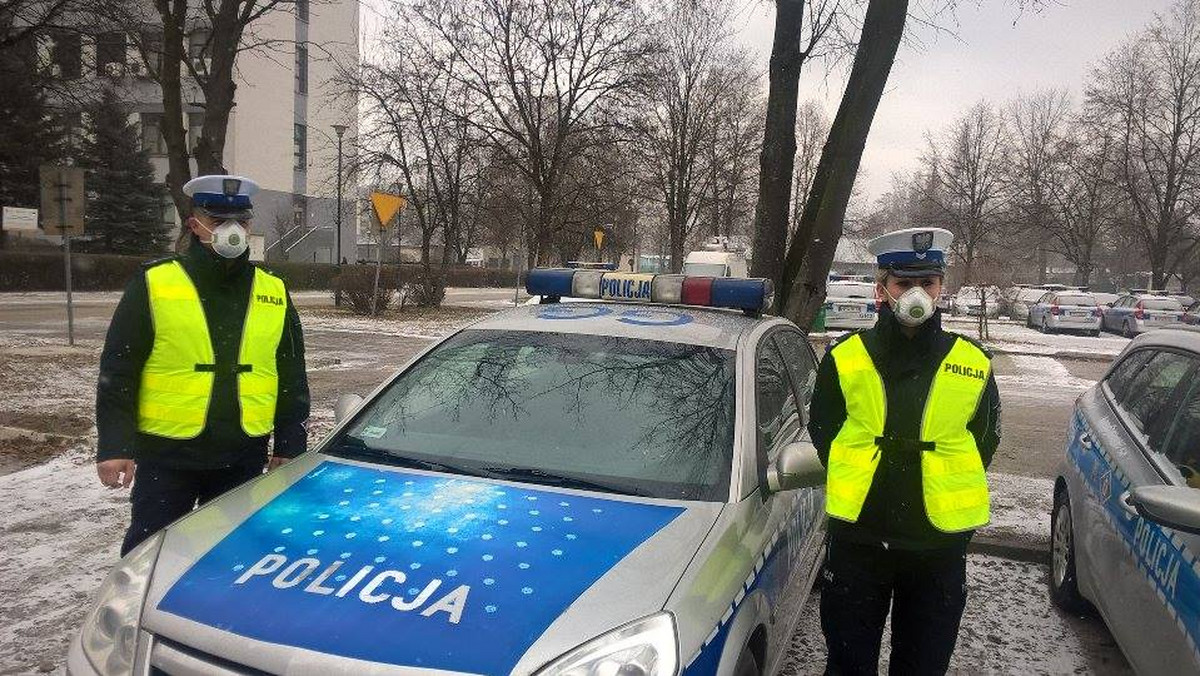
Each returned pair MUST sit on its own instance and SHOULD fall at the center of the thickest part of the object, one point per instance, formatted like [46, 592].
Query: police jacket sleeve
[828, 410]
[126, 348]
[985, 426]
[291, 412]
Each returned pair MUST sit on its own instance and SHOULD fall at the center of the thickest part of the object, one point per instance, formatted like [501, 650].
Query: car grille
[170, 658]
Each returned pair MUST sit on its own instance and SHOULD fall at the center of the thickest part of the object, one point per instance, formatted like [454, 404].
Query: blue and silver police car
[622, 486]
[1125, 529]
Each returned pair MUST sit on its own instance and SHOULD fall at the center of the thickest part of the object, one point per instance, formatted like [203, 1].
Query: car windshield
[618, 414]
[704, 269]
[851, 290]
[1161, 304]
[1080, 300]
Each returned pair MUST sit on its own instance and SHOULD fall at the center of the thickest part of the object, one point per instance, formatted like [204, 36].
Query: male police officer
[906, 417]
[204, 358]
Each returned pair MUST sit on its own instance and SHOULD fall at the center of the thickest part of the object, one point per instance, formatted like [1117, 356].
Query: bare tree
[1082, 199]
[966, 165]
[543, 74]
[1036, 126]
[801, 287]
[683, 103]
[22, 20]
[800, 29]
[812, 128]
[1146, 93]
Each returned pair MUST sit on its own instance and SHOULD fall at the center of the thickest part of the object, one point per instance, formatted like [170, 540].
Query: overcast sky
[989, 57]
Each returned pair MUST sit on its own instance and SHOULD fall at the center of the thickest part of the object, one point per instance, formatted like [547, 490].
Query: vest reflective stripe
[953, 480]
[174, 397]
[853, 455]
[955, 486]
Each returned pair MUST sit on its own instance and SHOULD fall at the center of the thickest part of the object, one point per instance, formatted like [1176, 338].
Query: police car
[586, 488]
[1125, 529]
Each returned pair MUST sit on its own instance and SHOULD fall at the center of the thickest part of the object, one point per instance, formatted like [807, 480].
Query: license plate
[849, 308]
[1081, 314]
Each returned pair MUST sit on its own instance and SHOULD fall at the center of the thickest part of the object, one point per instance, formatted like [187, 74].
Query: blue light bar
[751, 295]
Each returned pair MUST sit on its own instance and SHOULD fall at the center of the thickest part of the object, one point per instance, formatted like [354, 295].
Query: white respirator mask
[913, 308]
[229, 239]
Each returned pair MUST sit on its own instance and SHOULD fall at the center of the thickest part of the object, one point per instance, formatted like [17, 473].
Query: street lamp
[340, 130]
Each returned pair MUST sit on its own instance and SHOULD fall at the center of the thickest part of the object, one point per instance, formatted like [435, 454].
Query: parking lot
[64, 534]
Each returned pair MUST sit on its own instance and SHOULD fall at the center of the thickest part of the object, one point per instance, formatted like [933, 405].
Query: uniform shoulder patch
[160, 261]
[973, 341]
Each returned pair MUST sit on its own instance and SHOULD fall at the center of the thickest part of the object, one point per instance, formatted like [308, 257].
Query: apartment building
[281, 131]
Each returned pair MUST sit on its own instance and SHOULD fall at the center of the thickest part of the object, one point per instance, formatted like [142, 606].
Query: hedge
[43, 271]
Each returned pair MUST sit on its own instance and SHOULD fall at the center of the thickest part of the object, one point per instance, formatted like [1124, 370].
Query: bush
[305, 276]
[427, 290]
[43, 271]
[356, 283]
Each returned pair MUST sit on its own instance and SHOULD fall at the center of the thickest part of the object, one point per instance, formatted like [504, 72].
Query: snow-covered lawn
[1010, 337]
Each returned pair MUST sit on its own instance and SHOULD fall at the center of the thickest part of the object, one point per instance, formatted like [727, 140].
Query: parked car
[1192, 315]
[1066, 311]
[1134, 314]
[970, 301]
[1018, 307]
[850, 305]
[1183, 298]
[1105, 300]
[623, 487]
[1125, 525]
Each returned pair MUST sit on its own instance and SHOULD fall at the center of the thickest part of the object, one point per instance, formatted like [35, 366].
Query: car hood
[329, 565]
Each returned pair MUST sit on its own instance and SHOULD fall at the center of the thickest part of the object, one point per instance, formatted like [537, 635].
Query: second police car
[584, 488]
[1125, 527]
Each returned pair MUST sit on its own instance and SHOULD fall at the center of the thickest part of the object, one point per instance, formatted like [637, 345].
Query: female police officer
[905, 416]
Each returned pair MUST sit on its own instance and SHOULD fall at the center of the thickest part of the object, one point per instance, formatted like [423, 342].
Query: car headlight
[647, 647]
[109, 634]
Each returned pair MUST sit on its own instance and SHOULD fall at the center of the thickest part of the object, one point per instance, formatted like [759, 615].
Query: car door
[1127, 553]
[780, 421]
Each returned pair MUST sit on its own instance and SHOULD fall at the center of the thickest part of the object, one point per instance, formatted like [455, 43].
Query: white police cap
[912, 252]
[222, 195]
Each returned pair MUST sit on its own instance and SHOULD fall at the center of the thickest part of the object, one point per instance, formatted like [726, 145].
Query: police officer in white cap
[906, 417]
[202, 364]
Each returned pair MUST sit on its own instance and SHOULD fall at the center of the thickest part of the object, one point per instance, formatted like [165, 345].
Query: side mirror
[798, 466]
[345, 406]
[1176, 507]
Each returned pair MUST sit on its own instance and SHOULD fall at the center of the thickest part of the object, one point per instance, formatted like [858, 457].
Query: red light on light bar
[697, 291]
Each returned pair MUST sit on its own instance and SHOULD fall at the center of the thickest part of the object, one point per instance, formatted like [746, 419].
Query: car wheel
[1094, 334]
[1064, 587]
[746, 665]
[1127, 330]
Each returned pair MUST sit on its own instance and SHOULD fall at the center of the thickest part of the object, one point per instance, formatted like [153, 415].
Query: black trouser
[925, 589]
[161, 495]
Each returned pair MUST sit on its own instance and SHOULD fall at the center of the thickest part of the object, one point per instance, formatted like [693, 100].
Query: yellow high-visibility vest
[954, 485]
[177, 379]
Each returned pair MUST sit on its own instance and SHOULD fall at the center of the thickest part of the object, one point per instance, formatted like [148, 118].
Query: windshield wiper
[354, 447]
[551, 479]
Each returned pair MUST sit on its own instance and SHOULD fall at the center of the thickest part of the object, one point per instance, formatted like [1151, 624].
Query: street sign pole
[66, 236]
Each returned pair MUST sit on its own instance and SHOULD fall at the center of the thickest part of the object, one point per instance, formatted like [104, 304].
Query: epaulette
[972, 341]
[160, 261]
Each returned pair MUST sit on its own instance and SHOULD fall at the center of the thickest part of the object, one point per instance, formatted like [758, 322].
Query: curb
[1008, 549]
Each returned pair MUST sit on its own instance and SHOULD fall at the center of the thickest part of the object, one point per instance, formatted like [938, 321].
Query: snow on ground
[1020, 510]
[1006, 336]
[1040, 378]
[1009, 627]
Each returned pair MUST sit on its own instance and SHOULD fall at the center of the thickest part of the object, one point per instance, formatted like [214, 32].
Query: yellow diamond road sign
[386, 206]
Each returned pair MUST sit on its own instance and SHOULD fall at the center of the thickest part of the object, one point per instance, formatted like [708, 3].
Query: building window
[301, 69]
[67, 55]
[152, 48]
[152, 136]
[110, 54]
[299, 211]
[300, 147]
[195, 127]
[198, 48]
[166, 208]
[302, 9]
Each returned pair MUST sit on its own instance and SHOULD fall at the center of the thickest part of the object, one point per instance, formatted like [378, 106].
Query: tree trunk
[778, 154]
[802, 288]
[173, 15]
